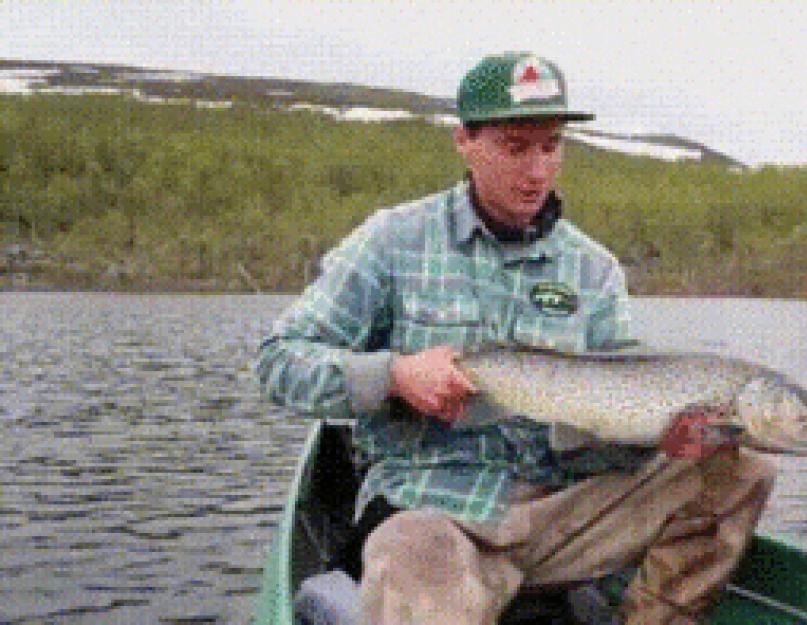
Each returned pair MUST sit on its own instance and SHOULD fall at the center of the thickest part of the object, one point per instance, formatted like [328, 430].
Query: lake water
[141, 476]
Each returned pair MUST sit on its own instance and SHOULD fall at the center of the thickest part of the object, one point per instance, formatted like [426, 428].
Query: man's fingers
[447, 351]
[431, 404]
[431, 382]
[460, 381]
[453, 409]
[698, 434]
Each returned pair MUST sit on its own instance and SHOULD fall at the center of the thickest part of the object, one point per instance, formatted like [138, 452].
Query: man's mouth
[529, 195]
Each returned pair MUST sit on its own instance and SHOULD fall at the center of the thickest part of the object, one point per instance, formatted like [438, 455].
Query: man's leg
[685, 522]
[421, 568]
[699, 546]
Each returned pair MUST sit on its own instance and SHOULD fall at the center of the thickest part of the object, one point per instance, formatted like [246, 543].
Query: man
[486, 509]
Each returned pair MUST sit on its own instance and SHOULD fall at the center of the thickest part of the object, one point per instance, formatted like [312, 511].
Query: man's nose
[538, 164]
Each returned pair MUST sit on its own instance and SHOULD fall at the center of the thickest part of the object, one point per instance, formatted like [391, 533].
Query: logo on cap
[533, 81]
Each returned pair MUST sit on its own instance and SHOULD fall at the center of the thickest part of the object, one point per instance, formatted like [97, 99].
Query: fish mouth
[773, 410]
[778, 447]
[799, 452]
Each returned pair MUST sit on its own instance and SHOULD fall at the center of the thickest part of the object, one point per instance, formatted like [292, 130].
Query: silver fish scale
[628, 398]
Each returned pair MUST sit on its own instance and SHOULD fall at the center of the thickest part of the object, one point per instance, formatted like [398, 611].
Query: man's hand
[698, 434]
[431, 382]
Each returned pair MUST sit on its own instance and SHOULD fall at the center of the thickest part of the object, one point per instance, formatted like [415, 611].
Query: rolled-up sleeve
[325, 355]
[609, 319]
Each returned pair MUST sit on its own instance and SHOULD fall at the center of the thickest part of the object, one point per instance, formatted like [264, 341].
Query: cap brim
[526, 113]
[578, 116]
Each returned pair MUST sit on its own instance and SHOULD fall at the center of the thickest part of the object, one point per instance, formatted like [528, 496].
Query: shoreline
[212, 286]
[35, 268]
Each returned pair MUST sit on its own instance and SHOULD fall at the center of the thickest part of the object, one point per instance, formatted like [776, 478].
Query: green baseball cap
[514, 85]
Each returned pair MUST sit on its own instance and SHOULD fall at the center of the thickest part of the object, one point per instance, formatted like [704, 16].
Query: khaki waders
[685, 523]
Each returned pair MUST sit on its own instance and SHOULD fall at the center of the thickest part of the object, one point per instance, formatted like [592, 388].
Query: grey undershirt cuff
[367, 379]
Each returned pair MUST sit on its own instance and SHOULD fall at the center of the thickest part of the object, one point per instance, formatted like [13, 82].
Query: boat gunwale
[275, 601]
[277, 576]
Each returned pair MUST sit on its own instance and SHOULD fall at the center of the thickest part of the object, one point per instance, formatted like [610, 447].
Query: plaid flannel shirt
[424, 274]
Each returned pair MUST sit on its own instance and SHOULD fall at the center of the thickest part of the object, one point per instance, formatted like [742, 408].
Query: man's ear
[461, 138]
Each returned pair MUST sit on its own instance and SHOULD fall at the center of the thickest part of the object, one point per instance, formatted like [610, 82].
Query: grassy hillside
[122, 194]
[689, 228]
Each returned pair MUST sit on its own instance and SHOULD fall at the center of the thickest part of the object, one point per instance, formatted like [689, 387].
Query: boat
[769, 587]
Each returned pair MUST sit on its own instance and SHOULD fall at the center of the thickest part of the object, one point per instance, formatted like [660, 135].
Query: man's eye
[516, 147]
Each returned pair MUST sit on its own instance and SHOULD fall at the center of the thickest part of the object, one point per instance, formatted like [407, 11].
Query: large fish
[633, 395]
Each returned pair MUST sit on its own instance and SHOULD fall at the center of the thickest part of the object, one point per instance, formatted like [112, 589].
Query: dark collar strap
[541, 225]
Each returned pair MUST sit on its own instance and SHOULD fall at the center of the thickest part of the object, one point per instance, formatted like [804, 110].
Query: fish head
[773, 412]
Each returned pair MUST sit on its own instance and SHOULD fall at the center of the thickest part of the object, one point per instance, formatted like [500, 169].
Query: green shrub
[181, 193]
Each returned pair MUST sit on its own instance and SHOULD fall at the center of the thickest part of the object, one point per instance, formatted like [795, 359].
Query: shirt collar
[466, 223]
[539, 245]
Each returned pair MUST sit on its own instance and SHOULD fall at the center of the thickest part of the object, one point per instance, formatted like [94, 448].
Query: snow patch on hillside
[24, 81]
[160, 76]
[637, 147]
[65, 90]
[29, 80]
[367, 114]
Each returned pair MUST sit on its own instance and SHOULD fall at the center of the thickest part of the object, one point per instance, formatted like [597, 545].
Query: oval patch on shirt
[554, 298]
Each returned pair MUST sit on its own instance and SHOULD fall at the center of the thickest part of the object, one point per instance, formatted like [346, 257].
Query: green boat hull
[769, 588]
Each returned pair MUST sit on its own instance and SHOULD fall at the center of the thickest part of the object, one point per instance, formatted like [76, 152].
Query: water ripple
[141, 476]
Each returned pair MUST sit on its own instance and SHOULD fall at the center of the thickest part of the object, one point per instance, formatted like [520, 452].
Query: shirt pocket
[442, 310]
[428, 320]
[563, 333]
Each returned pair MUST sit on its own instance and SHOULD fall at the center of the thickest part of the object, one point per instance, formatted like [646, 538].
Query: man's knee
[743, 480]
[758, 469]
[421, 545]
[420, 567]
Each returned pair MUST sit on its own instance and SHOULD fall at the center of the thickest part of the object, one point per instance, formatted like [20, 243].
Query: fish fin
[482, 409]
[563, 437]
[618, 345]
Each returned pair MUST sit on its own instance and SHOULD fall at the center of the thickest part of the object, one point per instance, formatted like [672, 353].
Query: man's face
[513, 166]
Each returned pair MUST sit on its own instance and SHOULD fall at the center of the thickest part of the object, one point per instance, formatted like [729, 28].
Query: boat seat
[330, 598]
[582, 604]
[590, 606]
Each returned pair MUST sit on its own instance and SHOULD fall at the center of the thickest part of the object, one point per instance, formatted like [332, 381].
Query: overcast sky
[730, 74]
